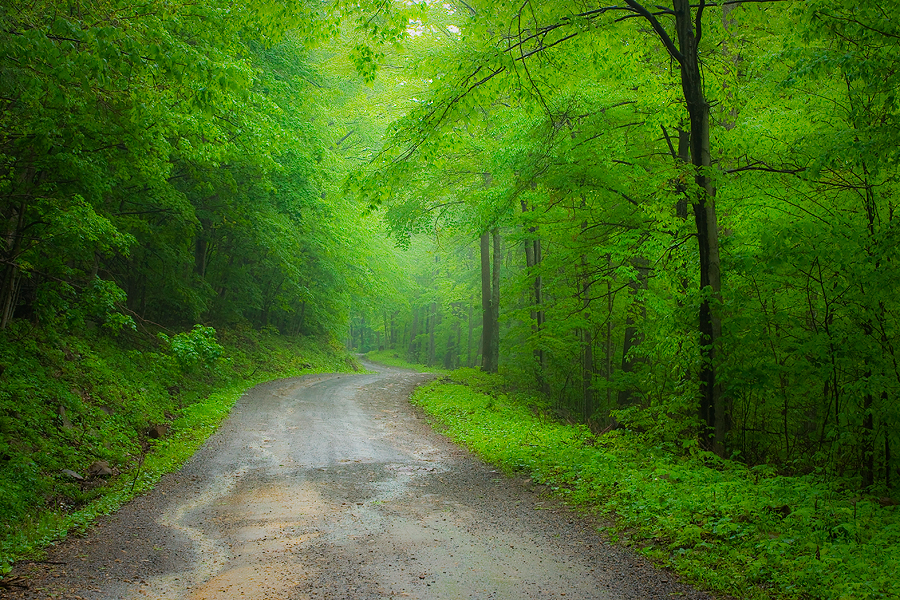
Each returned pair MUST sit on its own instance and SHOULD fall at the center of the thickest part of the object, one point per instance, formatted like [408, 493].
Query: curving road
[333, 486]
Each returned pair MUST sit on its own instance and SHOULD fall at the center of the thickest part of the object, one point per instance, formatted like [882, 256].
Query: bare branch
[698, 22]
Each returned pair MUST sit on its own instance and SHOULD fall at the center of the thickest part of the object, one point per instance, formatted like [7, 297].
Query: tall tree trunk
[495, 298]
[610, 306]
[393, 342]
[533, 260]
[490, 289]
[637, 312]
[487, 312]
[9, 292]
[587, 337]
[458, 338]
[471, 325]
[301, 326]
[412, 351]
[587, 350]
[868, 441]
[541, 318]
[712, 404]
[431, 332]
[887, 459]
[200, 247]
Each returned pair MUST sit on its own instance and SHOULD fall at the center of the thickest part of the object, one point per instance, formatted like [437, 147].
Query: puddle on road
[246, 541]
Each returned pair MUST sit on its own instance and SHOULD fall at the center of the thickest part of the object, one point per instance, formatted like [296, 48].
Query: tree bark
[433, 322]
[712, 404]
[633, 335]
[471, 325]
[490, 300]
[9, 292]
[487, 329]
[587, 349]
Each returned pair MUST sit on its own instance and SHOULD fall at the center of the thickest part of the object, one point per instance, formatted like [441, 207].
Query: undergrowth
[70, 401]
[748, 532]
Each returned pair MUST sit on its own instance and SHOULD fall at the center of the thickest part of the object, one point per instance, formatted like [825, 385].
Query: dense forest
[177, 164]
[677, 219]
[674, 219]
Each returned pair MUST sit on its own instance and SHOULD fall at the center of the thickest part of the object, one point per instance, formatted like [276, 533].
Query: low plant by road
[746, 531]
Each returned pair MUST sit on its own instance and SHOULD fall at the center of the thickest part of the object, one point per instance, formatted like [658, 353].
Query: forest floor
[333, 486]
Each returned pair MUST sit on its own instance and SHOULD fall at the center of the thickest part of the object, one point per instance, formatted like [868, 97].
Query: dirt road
[334, 487]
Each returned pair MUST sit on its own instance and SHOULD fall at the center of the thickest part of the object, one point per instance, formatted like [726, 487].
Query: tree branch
[658, 28]
[761, 166]
[698, 23]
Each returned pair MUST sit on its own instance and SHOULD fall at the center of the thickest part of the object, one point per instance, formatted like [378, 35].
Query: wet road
[334, 487]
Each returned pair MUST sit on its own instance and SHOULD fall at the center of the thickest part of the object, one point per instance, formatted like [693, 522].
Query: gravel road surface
[333, 486]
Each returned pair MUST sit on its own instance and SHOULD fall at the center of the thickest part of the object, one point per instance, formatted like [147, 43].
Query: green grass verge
[67, 401]
[744, 531]
[392, 358]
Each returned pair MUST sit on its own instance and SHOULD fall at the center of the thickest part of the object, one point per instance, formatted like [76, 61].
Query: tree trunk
[458, 338]
[495, 298]
[868, 441]
[301, 328]
[200, 247]
[9, 292]
[587, 338]
[712, 404]
[633, 335]
[610, 306]
[488, 334]
[412, 351]
[532, 261]
[393, 338]
[469, 360]
[431, 331]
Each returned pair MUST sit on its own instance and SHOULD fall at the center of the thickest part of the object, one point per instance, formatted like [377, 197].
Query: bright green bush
[194, 349]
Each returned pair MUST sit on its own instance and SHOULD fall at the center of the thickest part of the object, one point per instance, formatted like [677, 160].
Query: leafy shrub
[195, 348]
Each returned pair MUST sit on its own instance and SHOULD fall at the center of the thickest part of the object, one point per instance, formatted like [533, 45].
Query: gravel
[333, 486]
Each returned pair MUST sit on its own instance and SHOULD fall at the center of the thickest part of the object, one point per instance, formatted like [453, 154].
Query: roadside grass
[67, 401]
[392, 358]
[747, 532]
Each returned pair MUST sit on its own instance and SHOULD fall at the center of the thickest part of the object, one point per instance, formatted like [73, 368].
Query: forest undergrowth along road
[333, 486]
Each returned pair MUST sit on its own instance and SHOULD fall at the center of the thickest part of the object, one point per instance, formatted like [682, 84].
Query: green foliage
[748, 532]
[195, 348]
[179, 153]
